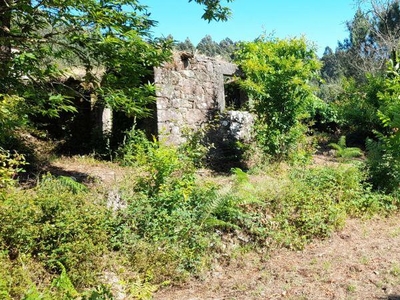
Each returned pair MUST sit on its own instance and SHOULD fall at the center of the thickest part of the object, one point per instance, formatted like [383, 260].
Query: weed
[395, 270]
[364, 260]
[327, 265]
[142, 290]
[351, 288]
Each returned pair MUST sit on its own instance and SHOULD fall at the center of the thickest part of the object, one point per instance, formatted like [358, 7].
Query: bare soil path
[87, 169]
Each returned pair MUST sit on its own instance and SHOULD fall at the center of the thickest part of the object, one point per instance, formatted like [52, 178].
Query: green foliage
[383, 155]
[357, 107]
[373, 35]
[102, 292]
[18, 279]
[208, 47]
[322, 115]
[108, 42]
[316, 201]
[197, 145]
[169, 210]
[166, 208]
[277, 74]
[214, 10]
[11, 115]
[343, 151]
[187, 45]
[236, 209]
[26, 279]
[58, 239]
[63, 284]
[225, 48]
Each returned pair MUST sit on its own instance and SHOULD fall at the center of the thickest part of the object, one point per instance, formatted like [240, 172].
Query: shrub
[383, 156]
[357, 107]
[277, 74]
[170, 220]
[57, 223]
[165, 209]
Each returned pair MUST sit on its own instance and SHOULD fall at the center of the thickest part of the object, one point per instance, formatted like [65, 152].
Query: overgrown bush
[164, 210]
[59, 239]
[12, 115]
[170, 218]
[384, 152]
[357, 107]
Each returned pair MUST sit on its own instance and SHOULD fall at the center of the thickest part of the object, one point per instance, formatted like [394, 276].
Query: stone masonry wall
[190, 89]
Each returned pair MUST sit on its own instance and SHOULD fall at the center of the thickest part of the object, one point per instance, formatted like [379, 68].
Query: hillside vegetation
[127, 217]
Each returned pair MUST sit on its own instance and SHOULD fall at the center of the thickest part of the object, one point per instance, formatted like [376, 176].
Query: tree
[208, 47]
[226, 48]
[187, 45]
[277, 74]
[359, 54]
[51, 37]
[40, 41]
[355, 72]
[330, 70]
[384, 151]
[374, 33]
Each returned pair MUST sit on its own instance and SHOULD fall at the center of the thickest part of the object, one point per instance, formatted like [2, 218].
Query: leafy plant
[164, 206]
[197, 146]
[11, 115]
[63, 284]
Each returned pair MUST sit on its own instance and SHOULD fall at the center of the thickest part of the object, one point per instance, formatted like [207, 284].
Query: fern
[64, 285]
[70, 183]
[211, 213]
[227, 210]
[343, 151]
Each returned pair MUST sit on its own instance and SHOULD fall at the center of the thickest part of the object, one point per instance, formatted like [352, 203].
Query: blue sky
[320, 21]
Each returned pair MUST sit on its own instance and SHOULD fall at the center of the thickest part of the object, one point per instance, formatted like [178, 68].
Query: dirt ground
[362, 261]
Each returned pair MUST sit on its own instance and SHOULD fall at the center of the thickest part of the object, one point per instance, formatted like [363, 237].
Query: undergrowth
[63, 240]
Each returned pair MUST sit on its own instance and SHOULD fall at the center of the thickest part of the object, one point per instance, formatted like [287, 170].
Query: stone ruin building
[192, 90]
